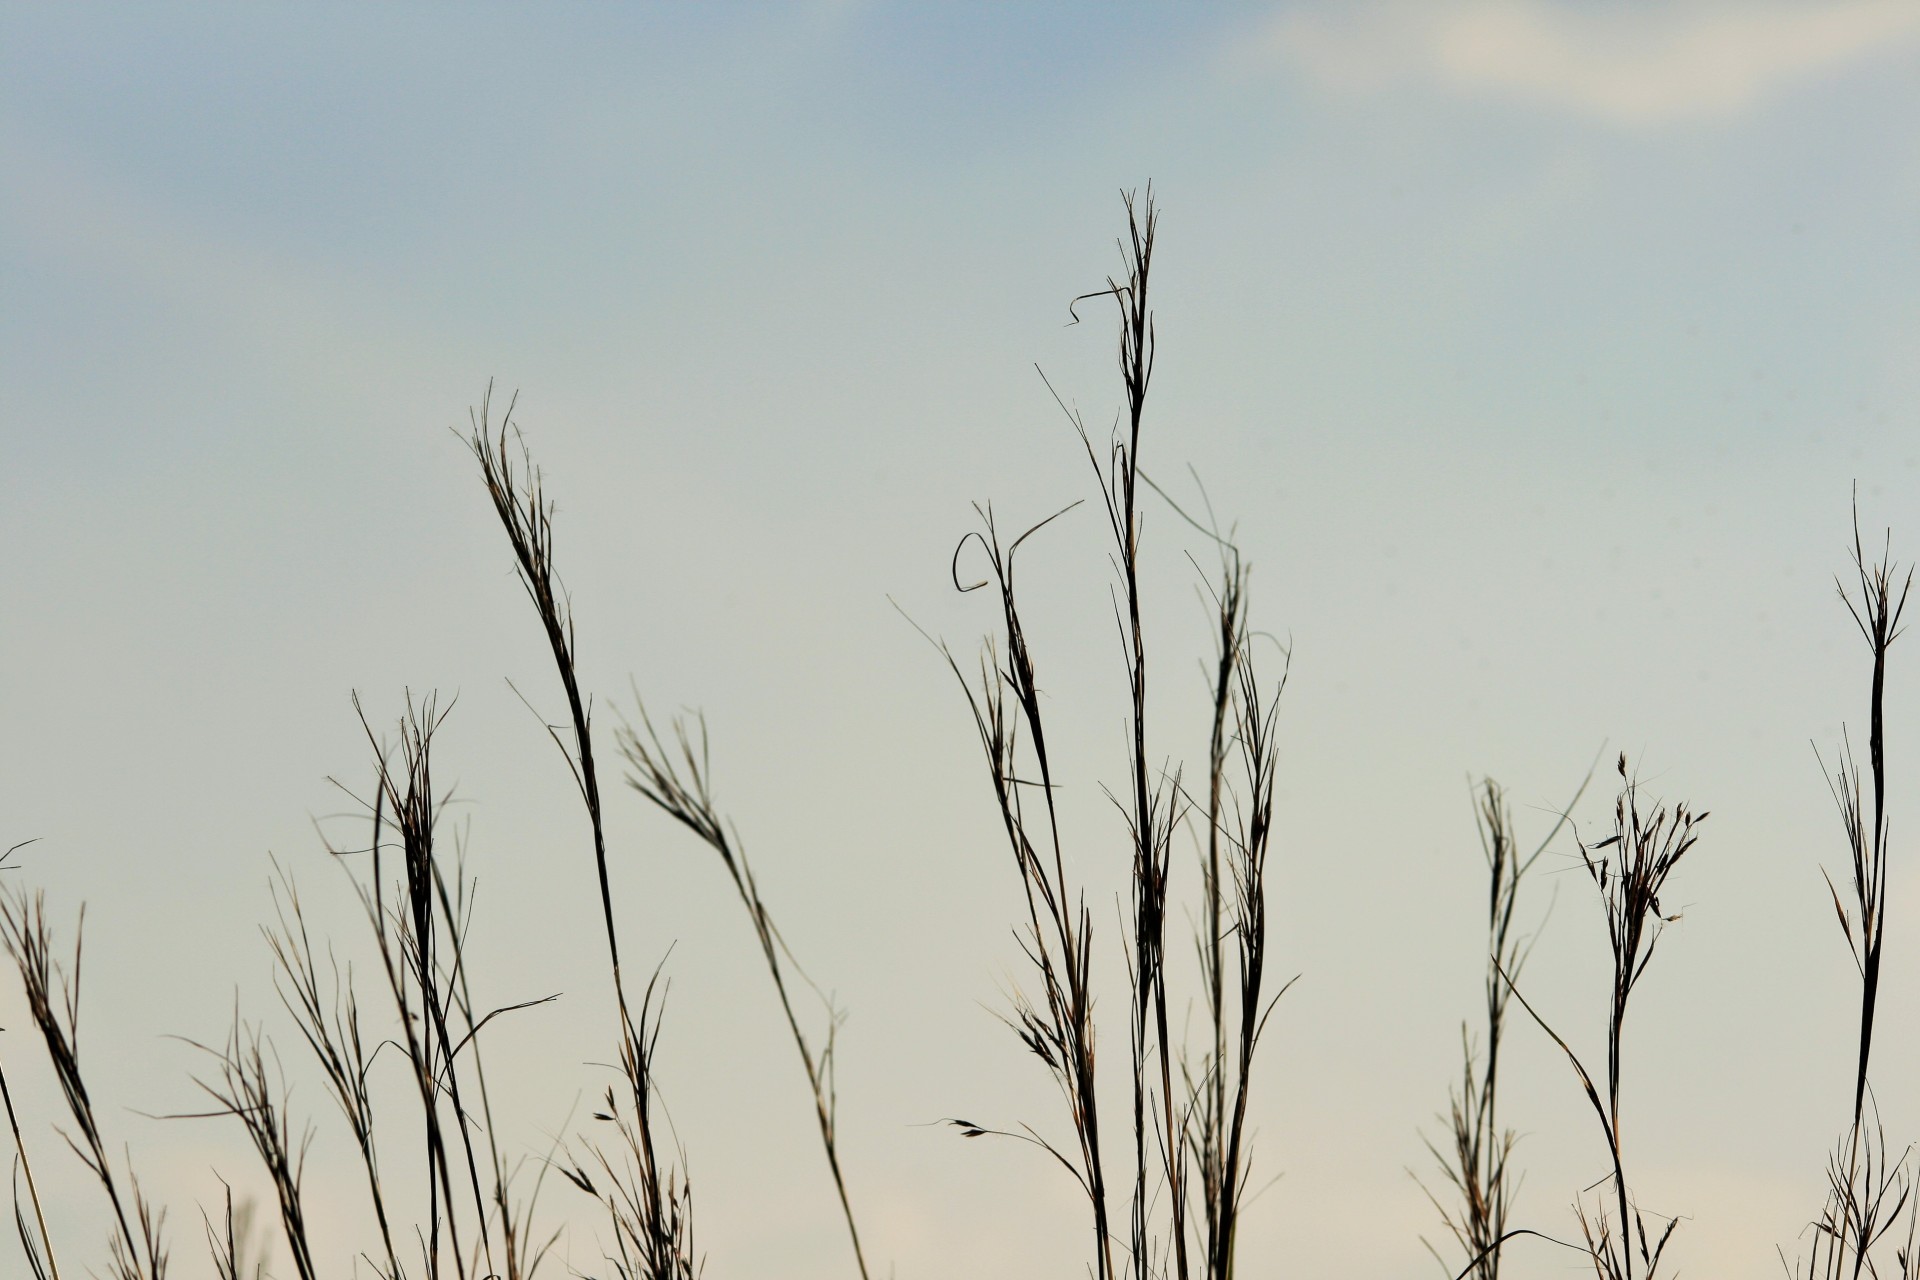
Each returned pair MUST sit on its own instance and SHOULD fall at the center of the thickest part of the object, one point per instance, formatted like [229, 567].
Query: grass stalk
[35, 1241]
[659, 1226]
[1629, 869]
[1152, 797]
[39, 1255]
[252, 1090]
[53, 1003]
[1866, 1189]
[1189, 1143]
[1151, 803]
[332, 1030]
[1058, 941]
[1476, 1163]
[678, 781]
[1255, 716]
[1239, 814]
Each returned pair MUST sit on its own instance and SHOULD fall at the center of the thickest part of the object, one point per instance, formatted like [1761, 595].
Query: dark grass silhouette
[135, 1237]
[648, 1199]
[1476, 1161]
[1867, 1185]
[1168, 1201]
[1189, 1150]
[1629, 869]
[678, 782]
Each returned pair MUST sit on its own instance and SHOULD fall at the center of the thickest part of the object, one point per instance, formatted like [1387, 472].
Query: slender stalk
[333, 1034]
[682, 789]
[53, 1003]
[1150, 814]
[33, 1192]
[1215, 1179]
[1256, 714]
[246, 1090]
[515, 1230]
[1866, 1189]
[412, 961]
[662, 1241]
[1878, 618]
[1629, 868]
[1239, 826]
[1476, 1161]
[1059, 936]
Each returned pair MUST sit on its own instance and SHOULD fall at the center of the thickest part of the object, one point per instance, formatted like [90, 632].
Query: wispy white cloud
[1632, 65]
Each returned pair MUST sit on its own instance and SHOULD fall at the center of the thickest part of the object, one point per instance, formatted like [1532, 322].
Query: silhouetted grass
[1189, 1138]
[1629, 869]
[475, 1211]
[136, 1237]
[1476, 1162]
[677, 781]
[647, 1200]
[1867, 1187]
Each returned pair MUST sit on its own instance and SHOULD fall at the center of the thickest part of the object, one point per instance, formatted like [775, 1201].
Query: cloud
[1631, 65]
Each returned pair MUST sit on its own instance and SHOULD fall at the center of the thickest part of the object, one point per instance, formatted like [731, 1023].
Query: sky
[1536, 349]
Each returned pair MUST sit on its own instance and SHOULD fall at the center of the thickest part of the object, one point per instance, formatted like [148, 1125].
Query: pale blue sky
[1536, 346]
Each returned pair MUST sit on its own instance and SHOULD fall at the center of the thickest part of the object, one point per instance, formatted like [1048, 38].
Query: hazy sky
[1536, 347]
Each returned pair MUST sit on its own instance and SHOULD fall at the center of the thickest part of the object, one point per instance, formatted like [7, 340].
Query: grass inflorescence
[388, 1017]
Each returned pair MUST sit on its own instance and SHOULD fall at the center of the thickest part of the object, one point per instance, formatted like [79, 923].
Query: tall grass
[476, 1223]
[1476, 1161]
[677, 781]
[1164, 1180]
[647, 1198]
[1867, 1185]
[1188, 1115]
[136, 1238]
[1243, 756]
[1629, 869]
